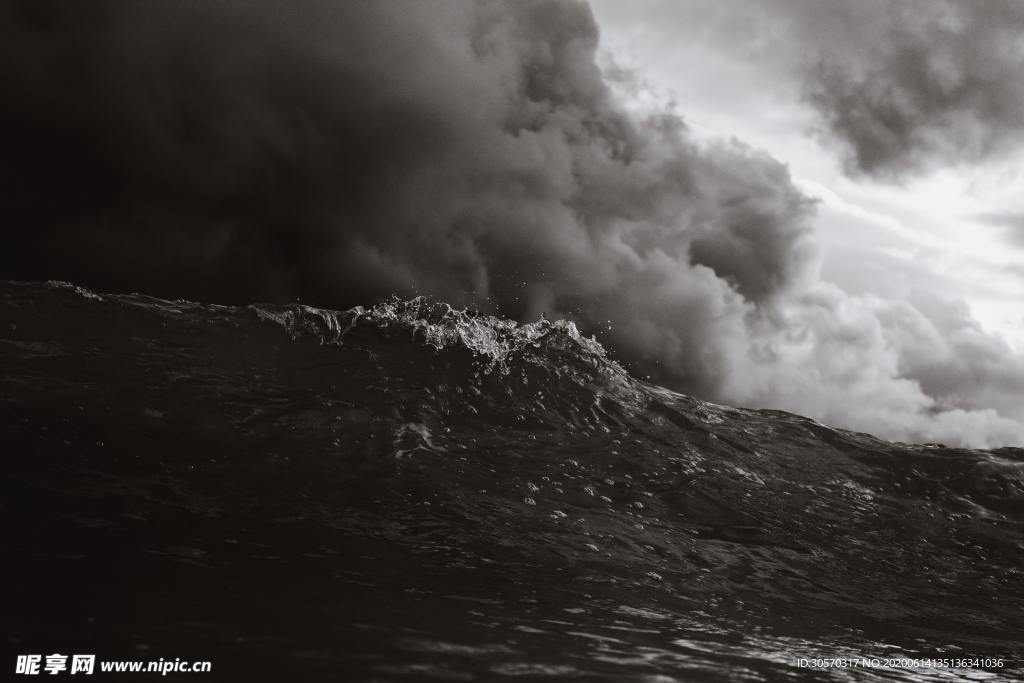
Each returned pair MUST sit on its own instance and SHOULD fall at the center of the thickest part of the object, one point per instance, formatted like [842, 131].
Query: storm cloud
[344, 151]
[909, 85]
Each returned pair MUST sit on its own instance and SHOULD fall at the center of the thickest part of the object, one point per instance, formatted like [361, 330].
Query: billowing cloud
[920, 369]
[909, 85]
[344, 151]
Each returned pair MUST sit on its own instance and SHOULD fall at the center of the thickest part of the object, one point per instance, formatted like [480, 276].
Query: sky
[955, 227]
[803, 205]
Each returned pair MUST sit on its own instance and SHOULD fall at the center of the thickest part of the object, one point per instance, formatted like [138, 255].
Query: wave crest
[498, 341]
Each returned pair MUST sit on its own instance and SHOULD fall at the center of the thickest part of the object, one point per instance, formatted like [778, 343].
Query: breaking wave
[411, 491]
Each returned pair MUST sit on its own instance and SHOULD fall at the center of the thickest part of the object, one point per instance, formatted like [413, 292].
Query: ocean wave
[463, 457]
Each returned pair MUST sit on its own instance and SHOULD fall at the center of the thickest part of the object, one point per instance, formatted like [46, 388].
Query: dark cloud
[952, 357]
[233, 150]
[344, 151]
[907, 85]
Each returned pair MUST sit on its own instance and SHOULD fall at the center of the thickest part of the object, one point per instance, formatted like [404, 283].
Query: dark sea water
[415, 493]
